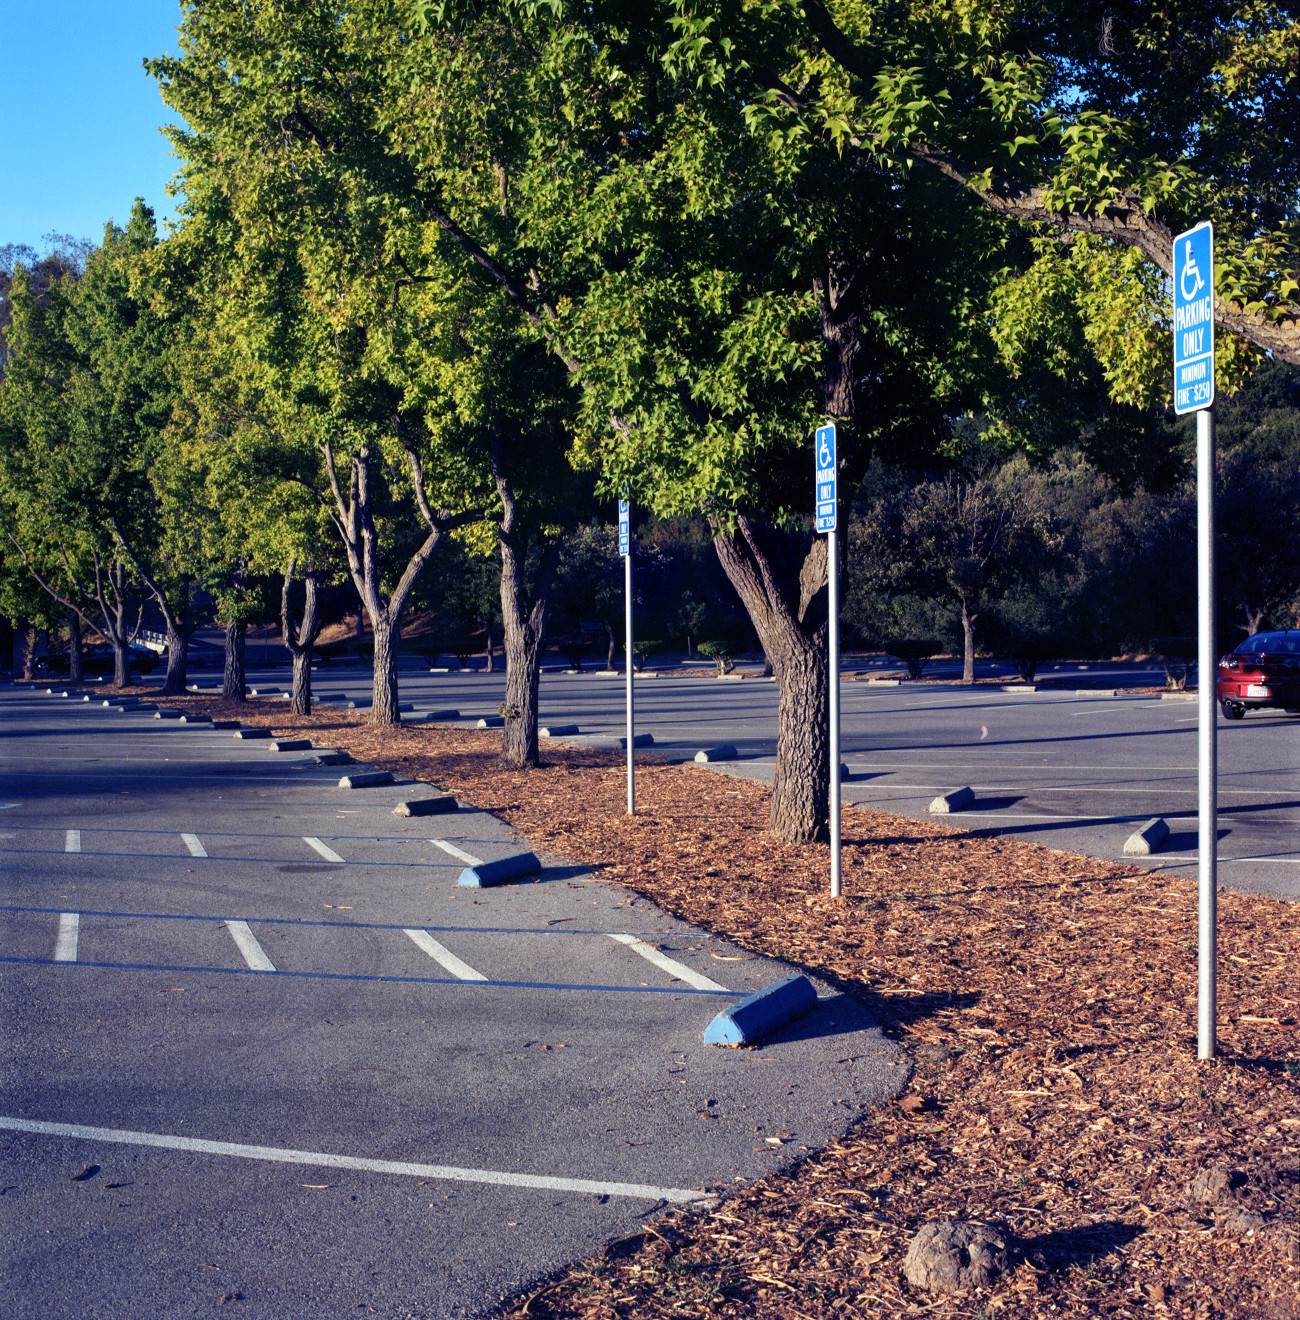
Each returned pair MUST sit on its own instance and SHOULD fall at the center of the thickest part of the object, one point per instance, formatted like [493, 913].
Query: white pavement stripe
[9, 806]
[193, 844]
[65, 945]
[669, 965]
[72, 843]
[322, 1159]
[444, 957]
[254, 954]
[468, 858]
[325, 851]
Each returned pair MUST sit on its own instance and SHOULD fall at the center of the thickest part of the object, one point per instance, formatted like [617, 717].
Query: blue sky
[79, 117]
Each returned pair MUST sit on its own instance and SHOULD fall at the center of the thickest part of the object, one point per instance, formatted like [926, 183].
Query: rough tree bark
[789, 613]
[968, 617]
[76, 671]
[523, 619]
[353, 518]
[30, 635]
[233, 682]
[300, 640]
[487, 651]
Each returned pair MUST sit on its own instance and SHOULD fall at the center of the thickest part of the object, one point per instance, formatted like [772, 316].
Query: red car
[1263, 671]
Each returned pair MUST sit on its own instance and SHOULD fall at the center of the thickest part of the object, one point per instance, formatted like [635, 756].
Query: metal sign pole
[1193, 288]
[826, 504]
[625, 547]
[1207, 669]
[833, 678]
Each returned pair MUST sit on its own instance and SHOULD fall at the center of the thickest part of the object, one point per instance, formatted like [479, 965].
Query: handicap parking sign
[1194, 319]
[825, 480]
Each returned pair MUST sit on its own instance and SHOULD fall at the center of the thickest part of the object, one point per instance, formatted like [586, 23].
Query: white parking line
[193, 844]
[326, 852]
[669, 965]
[72, 841]
[322, 1159]
[254, 954]
[468, 858]
[444, 957]
[65, 945]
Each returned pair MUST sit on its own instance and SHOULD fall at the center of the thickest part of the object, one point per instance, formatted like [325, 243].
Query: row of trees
[468, 270]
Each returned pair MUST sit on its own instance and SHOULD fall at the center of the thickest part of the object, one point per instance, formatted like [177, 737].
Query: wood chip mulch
[1049, 1001]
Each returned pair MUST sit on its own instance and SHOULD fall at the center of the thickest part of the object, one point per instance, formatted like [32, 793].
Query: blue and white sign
[826, 481]
[624, 529]
[1194, 319]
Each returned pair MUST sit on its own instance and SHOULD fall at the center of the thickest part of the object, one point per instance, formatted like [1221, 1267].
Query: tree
[86, 395]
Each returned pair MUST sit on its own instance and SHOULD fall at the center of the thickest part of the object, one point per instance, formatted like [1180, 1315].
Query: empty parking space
[258, 1004]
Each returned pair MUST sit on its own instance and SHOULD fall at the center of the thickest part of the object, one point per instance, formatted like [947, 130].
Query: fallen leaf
[87, 1171]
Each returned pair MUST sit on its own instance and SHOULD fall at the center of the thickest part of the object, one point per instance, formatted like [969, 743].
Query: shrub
[721, 655]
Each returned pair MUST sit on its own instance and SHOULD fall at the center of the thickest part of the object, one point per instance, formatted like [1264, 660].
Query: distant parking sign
[825, 479]
[624, 529]
[1194, 319]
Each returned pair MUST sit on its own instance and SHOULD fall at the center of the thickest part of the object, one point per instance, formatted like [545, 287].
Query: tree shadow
[1080, 1246]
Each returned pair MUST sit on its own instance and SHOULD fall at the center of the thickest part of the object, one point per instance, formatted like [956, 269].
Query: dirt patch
[1049, 1001]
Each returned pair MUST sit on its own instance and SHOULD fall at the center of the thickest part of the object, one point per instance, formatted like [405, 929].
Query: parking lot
[1069, 766]
[261, 1047]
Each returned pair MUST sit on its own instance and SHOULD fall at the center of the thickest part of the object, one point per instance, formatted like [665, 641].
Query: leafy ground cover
[1048, 1001]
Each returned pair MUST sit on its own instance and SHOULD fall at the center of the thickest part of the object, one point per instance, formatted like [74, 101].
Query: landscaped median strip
[323, 1159]
[762, 1013]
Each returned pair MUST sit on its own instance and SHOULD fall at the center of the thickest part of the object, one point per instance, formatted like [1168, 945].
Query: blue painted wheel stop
[762, 1013]
[500, 872]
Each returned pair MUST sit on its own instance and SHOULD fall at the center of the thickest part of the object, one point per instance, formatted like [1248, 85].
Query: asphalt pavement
[261, 1051]
[1077, 765]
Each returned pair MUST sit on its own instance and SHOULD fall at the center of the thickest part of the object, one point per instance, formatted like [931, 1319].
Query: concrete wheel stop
[245, 734]
[366, 779]
[557, 731]
[289, 745]
[760, 1014]
[1146, 839]
[723, 752]
[954, 801]
[430, 806]
[515, 867]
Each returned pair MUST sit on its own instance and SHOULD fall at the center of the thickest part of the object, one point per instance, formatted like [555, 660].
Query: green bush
[721, 654]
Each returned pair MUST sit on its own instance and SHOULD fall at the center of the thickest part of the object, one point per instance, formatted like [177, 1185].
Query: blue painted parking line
[354, 976]
[213, 857]
[352, 925]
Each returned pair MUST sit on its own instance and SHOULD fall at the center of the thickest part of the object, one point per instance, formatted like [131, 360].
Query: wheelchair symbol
[824, 459]
[1190, 270]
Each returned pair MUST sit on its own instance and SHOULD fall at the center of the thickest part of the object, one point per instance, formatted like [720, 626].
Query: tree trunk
[233, 687]
[300, 640]
[611, 649]
[487, 650]
[383, 693]
[7, 645]
[178, 646]
[968, 644]
[29, 654]
[787, 603]
[76, 671]
[121, 662]
[300, 688]
[524, 636]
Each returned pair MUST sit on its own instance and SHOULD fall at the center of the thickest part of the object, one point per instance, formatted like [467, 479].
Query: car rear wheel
[1232, 710]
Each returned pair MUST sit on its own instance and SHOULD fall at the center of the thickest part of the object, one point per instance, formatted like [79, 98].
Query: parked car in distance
[1263, 672]
[97, 659]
